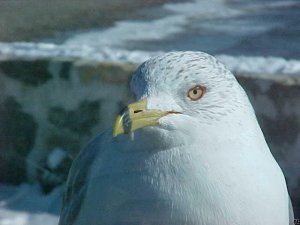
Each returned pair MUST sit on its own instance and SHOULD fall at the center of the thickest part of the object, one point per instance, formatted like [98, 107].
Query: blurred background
[65, 67]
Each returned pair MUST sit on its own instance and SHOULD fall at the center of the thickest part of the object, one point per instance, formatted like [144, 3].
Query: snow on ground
[10, 217]
[27, 205]
[29, 50]
[258, 64]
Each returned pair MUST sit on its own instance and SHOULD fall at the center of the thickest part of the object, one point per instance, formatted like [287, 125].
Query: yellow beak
[135, 116]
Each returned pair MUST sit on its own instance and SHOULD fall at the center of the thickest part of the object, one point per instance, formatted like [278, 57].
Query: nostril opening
[137, 111]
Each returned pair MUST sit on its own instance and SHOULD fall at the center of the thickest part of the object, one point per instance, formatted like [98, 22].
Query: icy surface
[27, 205]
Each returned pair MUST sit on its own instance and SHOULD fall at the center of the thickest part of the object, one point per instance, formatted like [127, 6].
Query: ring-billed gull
[198, 155]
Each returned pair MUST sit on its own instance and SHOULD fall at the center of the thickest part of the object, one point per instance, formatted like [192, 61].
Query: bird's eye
[196, 92]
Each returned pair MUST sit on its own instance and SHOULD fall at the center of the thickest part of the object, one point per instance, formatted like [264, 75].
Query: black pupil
[195, 91]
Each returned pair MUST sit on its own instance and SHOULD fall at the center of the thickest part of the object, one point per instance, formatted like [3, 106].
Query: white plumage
[208, 164]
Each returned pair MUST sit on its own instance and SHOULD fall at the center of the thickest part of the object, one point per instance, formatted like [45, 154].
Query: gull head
[182, 91]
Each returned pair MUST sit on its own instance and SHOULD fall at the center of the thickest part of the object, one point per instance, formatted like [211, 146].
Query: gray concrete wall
[50, 104]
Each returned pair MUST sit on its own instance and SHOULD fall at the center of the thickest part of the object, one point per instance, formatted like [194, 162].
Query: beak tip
[118, 128]
[115, 134]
